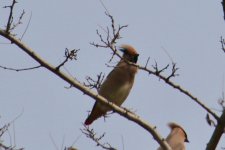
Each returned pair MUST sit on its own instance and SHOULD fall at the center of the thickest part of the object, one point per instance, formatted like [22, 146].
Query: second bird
[176, 138]
[118, 83]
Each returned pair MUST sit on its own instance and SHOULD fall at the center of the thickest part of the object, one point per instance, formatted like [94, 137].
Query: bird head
[129, 53]
[174, 125]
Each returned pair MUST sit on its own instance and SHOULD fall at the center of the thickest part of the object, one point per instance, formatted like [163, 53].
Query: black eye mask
[135, 58]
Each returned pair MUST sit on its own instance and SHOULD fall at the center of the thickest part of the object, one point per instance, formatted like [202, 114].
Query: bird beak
[186, 140]
[121, 49]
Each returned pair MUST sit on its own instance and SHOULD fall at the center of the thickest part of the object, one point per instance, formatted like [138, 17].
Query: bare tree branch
[219, 130]
[157, 70]
[151, 129]
[111, 37]
[219, 126]
[181, 89]
[92, 135]
[10, 19]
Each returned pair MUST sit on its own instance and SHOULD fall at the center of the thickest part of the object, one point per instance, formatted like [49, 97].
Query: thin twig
[21, 69]
[10, 19]
[18, 22]
[146, 64]
[28, 24]
[222, 43]
[104, 6]
[69, 55]
[53, 141]
[167, 53]
[92, 135]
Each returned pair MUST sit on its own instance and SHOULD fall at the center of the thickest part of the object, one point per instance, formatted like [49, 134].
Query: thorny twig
[69, 55]
[21, 69]
[173, 73]
[95, 84]
[157, 70]
[222, 43]
[92, 135]
[110, 40]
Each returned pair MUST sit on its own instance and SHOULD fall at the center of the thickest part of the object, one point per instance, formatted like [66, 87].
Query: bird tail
[88, 121]
[95, 114]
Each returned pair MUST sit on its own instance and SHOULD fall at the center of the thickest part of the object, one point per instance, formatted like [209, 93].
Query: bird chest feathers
[117, 85]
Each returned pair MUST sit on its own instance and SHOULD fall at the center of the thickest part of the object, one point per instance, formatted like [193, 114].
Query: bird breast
[118, 84]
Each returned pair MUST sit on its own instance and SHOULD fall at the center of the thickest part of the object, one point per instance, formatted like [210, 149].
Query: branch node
[92, 135]
[94, 84]
[69, 55]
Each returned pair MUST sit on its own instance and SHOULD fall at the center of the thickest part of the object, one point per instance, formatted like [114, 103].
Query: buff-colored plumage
[177, 137]
[118, 83]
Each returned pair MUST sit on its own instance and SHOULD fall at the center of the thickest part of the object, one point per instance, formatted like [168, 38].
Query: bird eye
[136, 58]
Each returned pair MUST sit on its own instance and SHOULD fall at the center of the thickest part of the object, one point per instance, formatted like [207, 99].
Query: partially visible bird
[176, 138]
[118, 83]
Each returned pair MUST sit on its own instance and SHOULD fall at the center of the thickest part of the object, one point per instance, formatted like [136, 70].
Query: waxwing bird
[176, 138]
[118, 83]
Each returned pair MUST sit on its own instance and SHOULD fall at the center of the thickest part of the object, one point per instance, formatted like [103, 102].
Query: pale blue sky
[189, 31]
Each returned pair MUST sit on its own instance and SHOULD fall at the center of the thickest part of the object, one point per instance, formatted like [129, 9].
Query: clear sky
[189, 31]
